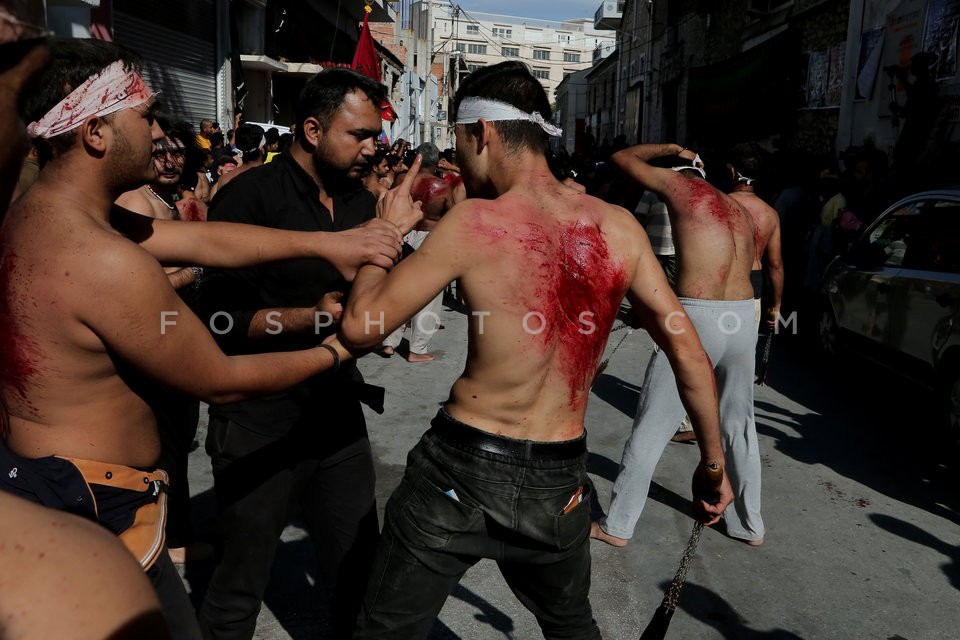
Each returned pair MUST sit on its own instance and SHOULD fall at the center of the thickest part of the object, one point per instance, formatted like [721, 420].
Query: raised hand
[397, 206]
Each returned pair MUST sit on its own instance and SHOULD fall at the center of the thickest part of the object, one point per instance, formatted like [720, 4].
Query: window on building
[477, 48]
[767, 6]
[473, 28]
[571, 57]
[502, 32]
[510, 52]
[542, 74]
[541, 54]
[473, 67]
[563, 37]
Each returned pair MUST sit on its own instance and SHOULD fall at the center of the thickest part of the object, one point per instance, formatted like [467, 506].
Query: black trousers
[257, 478]
[468, 495]
[174, 601]
[178, 416]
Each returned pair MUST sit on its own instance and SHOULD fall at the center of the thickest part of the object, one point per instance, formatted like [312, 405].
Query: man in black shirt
[307, 445]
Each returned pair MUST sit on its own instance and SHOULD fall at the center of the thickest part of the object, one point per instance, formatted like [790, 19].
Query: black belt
[462, 435]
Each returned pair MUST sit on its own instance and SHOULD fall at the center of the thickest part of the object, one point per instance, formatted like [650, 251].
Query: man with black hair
[89, 316]
[271, 138]
[100, 590]
[746, 166]
[502, 472]
[716, 244]
[437, 196]
[251, 142]
[306, 444]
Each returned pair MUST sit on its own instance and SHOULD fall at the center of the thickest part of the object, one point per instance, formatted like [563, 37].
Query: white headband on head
[472, 109]
[103, 93]
[260, 145]
[696, 166]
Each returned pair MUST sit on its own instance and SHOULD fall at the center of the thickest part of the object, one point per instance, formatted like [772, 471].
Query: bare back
[548, 270]
[764, 217]
[60, 384]
[715, 239]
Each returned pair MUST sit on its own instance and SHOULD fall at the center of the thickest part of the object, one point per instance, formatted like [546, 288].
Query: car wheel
[829, 333]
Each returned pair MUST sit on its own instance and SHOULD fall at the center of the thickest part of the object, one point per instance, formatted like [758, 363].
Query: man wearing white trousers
[715, 240]
[436, 195]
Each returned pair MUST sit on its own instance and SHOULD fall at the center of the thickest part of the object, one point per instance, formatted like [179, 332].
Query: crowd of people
[147, 268]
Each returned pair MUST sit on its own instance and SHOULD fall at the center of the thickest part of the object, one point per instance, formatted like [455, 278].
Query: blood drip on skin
[702, 195]
[757, 241]
[579, 297]
[189, 211]
[19, 354]
[429, 190]
[453, 180]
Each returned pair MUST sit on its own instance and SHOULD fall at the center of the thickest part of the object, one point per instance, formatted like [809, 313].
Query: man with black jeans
[306, 445]
[502, 472]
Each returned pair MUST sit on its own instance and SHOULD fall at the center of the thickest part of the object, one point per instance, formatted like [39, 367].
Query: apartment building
[554, 50]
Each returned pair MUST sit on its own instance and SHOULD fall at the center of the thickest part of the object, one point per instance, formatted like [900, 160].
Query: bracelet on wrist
[197, 276]
[336, 356]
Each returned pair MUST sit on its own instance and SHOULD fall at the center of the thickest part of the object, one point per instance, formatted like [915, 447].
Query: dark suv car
[894, 297]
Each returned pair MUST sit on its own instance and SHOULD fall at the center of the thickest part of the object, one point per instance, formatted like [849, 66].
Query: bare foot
[386, 352]
[599, 534]
[754, 543]
[420, 357]
[684, 436]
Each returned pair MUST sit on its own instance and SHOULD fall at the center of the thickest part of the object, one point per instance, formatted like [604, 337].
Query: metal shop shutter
[180, 66]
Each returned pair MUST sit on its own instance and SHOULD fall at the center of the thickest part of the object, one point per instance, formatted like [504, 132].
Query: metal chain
[625, 336]
[606, 361]
[673, 593]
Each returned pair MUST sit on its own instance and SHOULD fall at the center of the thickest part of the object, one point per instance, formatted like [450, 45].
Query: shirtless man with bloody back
[716, 241]
[745, 166]
[88, 317]
[502, 472]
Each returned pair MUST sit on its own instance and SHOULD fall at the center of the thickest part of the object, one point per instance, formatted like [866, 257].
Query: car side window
[935, 242]
[893, 234]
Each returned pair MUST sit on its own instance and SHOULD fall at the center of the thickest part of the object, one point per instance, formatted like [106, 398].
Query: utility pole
[457, 53]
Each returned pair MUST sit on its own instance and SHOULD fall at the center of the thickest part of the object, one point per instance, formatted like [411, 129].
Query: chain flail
[603, 365]
[673, 593]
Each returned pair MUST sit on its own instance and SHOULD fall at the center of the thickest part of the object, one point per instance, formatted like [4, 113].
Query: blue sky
[542, 9]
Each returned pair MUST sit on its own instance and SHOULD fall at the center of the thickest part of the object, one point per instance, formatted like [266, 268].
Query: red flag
[365, 58]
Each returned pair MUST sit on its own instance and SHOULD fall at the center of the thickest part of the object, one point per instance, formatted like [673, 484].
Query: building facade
[811, 75]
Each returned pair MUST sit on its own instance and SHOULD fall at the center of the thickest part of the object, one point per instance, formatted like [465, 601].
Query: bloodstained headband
[103, 93]
[472, 109]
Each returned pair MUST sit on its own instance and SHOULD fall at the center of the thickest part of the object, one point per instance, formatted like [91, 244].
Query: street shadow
[912, 532]
[603, 467]
[864, 423]
[486, 613]
[619, 394]
[705, 605]
[293, 595]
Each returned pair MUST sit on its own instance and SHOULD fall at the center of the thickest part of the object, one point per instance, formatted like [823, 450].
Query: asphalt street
[860, 501]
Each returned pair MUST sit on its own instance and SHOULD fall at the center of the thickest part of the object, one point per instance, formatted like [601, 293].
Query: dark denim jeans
[459, 503]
